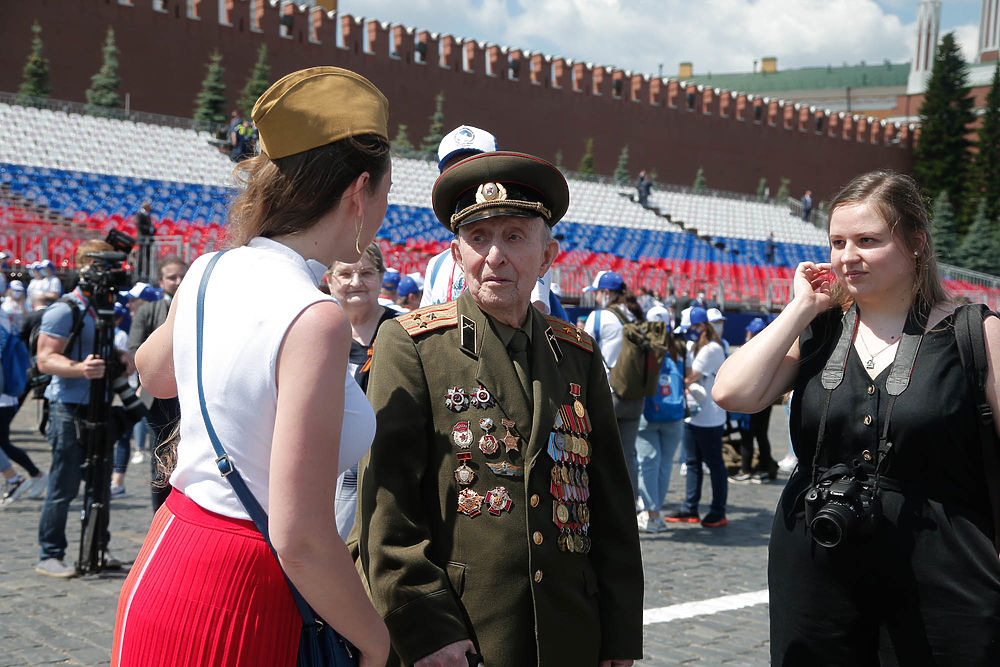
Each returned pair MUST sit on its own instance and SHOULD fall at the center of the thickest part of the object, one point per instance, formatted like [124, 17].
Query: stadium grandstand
[66, 176]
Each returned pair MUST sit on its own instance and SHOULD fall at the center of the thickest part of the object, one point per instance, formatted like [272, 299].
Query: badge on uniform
[462, 435]
[488, 444]
[456, 400]
[505, 469]
[482, 399]
[498, 500]
[510, 440]
[464, 475]
[469, 502]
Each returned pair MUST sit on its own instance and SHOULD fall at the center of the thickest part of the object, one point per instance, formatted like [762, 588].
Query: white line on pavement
[688, 609]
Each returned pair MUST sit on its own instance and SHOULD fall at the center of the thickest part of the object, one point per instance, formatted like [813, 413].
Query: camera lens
[827, 529]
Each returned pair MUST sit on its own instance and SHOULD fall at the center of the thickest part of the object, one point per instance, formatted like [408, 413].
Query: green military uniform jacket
[497, 574]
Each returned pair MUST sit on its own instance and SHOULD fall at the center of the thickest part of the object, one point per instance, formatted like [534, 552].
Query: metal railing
[108, 112]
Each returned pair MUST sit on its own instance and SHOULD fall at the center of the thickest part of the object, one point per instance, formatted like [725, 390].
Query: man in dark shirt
[146, 231]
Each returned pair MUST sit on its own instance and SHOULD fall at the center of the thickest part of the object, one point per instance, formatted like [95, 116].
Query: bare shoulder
[322, 319]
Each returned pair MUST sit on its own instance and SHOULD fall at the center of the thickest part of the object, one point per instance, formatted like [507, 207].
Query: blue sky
[715, 35]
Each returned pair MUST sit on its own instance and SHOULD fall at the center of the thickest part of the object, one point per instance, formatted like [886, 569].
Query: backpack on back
[667, 403]
[636, 374]
[14, 361]
[38, 380]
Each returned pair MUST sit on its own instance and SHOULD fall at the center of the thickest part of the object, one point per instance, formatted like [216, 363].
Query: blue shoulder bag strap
[223, 461]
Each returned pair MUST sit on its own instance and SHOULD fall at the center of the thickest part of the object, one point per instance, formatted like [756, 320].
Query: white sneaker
[13, 489]
[138, 456]
[117, 491]
[788, 463]
[684, 468]
[642, 519]
[53, 567]
[39, 485]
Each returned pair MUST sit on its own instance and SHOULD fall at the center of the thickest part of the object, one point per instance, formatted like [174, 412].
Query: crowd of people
[491, 476]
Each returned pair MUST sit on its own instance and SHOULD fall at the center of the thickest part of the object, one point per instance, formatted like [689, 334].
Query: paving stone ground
[45, 621]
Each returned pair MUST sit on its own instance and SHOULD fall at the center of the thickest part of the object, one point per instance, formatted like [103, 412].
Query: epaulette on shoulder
[429, 318]
[569, 333]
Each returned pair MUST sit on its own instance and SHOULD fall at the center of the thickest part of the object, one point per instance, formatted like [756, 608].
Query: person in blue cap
[408, 294]
[703, 431]
[390, 289]
[616, 307]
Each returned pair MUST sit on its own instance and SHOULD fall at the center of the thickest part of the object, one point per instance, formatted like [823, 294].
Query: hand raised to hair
[812, 285]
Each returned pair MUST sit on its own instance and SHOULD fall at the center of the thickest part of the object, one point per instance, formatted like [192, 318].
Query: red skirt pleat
[204, 590]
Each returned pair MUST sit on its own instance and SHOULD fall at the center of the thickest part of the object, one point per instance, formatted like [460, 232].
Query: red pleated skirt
[205, 590]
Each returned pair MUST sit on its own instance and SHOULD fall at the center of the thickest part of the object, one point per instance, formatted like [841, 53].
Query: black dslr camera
[102, 279]
[843, 504]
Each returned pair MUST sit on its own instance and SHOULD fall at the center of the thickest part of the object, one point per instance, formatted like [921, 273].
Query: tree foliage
[210, 104]
[622, 175]
[435, 132]
[699, 181]
[586, 167]
[784, 190]
[980, 249]
[944, 229]
[401, 144]
[257, 83]
[762, 188]
[985, 178]
[941, 156]
[106, 83]
[36, 72]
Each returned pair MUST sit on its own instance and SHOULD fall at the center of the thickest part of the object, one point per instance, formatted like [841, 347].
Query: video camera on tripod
[100, 282]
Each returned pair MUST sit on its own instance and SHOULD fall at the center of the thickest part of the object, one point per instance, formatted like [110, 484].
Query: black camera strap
[896, 382]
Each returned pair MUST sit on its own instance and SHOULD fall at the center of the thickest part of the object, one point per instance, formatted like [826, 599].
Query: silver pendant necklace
[870, 364]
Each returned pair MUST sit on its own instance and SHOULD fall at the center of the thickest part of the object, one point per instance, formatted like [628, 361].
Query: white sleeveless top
[253, 296]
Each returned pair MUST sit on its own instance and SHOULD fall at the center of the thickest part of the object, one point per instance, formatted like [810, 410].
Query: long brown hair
[626, 298]
[896, 198]
[708, 335]
[291, 194]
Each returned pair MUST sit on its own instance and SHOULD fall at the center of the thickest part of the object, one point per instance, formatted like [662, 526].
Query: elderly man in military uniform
[495, 509]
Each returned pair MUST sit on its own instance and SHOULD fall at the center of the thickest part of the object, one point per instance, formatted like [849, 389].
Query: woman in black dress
[915, 579]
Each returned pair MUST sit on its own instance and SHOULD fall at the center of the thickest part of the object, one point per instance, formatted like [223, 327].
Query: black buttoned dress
[925, 588]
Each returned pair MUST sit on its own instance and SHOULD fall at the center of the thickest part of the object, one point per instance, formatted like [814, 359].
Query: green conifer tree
[105, 84]
[985, 180]
[762, 188]
[783, 191]
[699, 181]
[429, 144]
[941, 157]
[401, 144]
[622, 175]
[35, 75]
[586, 167]
[210, 105]
[980, 250]
[258, 82]
[944, 229]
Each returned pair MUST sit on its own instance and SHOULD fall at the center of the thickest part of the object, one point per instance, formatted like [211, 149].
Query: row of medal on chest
[570, 482]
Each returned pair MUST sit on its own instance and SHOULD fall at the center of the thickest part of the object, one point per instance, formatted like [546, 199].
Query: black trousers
[759, 422]
[164, 415]
[924, 590]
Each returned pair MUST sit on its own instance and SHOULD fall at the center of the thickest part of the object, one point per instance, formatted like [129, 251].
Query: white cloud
[715, 35]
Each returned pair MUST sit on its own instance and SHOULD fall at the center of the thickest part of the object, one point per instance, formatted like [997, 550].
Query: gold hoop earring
[357, 239]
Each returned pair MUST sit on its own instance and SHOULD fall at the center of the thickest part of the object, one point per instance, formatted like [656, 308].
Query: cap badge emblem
[490, 192]
[465, 136]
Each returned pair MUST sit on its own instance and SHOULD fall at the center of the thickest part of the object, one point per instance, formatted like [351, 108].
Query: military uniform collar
[505, 332]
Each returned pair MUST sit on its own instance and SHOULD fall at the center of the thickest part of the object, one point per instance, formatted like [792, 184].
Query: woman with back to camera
[615, 307]
[206, 589]
[356, 287]
[915, 579]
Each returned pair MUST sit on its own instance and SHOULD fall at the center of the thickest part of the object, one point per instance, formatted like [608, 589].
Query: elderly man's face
[502, 257]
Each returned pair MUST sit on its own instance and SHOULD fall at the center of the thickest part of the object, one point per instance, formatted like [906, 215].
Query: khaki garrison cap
[317, 106]
[500, 183]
